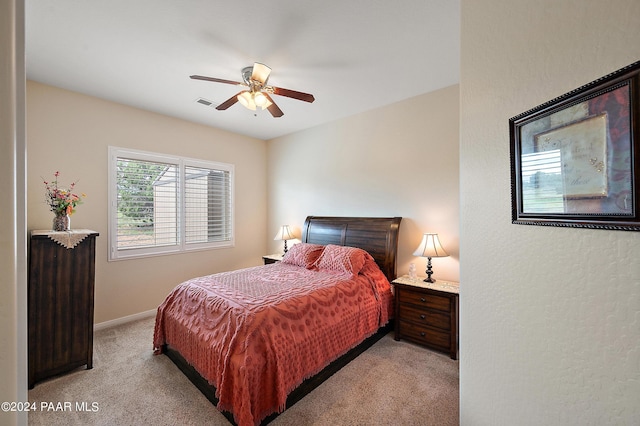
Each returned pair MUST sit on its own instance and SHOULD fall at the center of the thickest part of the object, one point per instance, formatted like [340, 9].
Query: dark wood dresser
[427, 313]
[60, 302]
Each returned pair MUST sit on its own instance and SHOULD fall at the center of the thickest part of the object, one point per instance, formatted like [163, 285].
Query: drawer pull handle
[422, 299]
[423, 316]
[422, 334]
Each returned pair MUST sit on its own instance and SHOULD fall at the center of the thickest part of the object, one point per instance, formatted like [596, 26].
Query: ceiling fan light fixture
[260, 99]
[256, 92]
[247, 101]
[260, 73]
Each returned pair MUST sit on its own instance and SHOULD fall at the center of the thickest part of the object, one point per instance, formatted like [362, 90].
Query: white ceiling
[352, 55]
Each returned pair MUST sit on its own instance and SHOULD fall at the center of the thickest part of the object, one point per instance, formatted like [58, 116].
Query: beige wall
[400, 160]
[70, 132]
[550, 318]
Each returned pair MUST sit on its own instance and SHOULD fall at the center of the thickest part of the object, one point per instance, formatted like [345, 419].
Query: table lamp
[430, 247]
[284, 234]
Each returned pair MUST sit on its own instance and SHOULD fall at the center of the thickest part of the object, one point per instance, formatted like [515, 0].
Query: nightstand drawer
[424, 316]
[427, 300]
[424, 335]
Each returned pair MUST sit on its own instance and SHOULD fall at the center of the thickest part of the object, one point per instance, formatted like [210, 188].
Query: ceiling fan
[257, 93]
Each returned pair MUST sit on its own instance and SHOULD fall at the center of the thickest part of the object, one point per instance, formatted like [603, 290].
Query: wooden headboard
[376, 235]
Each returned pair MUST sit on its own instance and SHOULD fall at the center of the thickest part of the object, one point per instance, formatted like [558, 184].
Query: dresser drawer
[425, 336]
[424, 316]
[430, 301]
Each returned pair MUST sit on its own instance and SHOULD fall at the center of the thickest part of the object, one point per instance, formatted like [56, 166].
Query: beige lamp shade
[430, 247]
[284, 233]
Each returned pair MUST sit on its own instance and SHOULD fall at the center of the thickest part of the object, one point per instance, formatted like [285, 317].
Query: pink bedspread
[257, 333]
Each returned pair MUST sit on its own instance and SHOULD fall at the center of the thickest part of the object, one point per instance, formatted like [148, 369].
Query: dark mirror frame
[573, 159]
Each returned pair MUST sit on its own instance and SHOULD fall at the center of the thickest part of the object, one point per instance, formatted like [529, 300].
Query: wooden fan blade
[273, 108]
[226, 104]
[216, 80]
[293, 94]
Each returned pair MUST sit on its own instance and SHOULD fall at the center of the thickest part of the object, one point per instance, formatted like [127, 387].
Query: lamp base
[429, 272]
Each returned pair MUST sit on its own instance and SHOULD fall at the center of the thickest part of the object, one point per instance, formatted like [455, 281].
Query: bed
[257, 340]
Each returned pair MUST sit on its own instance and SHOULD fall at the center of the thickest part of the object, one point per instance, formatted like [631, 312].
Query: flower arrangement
[61, 201]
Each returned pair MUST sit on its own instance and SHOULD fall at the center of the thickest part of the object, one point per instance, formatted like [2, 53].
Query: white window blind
[207, 205]
[161, 204]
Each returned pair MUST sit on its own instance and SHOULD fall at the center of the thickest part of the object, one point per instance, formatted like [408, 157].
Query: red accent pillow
[303, 254]
[342, 259]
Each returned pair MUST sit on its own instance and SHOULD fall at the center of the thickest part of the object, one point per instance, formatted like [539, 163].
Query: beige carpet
[392, 383]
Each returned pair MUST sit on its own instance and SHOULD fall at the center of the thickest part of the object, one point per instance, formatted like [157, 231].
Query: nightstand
[427, 313]
[272, 258]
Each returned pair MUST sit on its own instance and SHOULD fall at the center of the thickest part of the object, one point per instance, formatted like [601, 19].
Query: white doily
[68, 239]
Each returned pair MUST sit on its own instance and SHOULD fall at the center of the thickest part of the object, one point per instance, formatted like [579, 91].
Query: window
[160, 204]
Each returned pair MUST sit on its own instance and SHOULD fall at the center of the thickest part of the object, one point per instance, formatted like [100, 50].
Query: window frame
[115, 254]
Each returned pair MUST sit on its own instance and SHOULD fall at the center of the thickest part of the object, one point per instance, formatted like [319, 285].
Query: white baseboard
[124, 320]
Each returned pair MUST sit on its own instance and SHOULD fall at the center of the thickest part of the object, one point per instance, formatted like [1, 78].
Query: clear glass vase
[61, 222]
